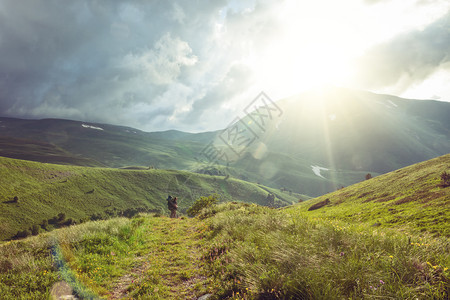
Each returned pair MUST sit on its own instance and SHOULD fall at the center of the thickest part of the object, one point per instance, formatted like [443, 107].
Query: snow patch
[91, 127]
[392, 103]
[317, 169]
[388, 104]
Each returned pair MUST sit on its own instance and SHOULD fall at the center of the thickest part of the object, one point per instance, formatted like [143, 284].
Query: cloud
[408, 58]
[96, 60]
[162, 64]
[159, 65]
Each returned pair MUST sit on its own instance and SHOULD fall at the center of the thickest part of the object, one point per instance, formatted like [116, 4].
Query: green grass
[45, 190]
[233, 251]
[410, 198]
[258, 253]
[240, 250]
[144, 257]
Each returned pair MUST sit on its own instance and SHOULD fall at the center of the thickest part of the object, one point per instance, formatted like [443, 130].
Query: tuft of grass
[259, 253]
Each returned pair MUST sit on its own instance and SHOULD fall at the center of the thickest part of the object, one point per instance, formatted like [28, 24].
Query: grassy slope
[410, 197]
[157, 258]
[234, 251]
[45, 190]
[245, 251]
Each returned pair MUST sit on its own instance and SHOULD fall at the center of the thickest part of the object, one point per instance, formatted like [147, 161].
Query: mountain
[101, 144]
[320, 141]
[310, 144]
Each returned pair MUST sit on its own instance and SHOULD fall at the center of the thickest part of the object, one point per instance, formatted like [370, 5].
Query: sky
[195, 65]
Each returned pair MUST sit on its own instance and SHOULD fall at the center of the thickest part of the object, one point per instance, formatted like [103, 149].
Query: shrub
[53, 220]
[69, 222]
[44, 224]
[445, 179]
[96, 217]
[270, 200]
[130, 212]
[201, 203]
[61, 217]
[319, 204]
[35, 229]
[22, 234]
[368, 176]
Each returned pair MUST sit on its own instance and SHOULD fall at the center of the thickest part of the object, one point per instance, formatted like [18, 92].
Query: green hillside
[411, 198]
[346, 133]
[233, 250]
[46, 190]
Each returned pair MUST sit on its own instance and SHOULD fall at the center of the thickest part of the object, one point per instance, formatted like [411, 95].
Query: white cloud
[162, 64]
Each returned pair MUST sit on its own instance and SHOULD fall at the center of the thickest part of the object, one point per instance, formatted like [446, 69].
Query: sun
[308, 52]
[321, 43]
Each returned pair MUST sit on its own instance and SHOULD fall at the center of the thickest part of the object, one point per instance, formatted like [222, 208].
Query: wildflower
[390, 256]
[381, 281]
[445, 269]
[342, 253]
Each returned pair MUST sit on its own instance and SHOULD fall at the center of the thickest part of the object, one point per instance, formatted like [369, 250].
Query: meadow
[231, 251]
[238, 250]
[50, 195]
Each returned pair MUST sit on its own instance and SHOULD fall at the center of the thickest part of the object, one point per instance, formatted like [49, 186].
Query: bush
[69, 222]
[201, 203]
[445, 179]
[44, 224]
[319, 204]
[35, 229]
[22, 234]
[61, 217]
[96, 217]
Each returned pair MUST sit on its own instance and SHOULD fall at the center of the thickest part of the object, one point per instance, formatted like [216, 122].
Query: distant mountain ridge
[104, 144]
[316, 142]
[323, 140]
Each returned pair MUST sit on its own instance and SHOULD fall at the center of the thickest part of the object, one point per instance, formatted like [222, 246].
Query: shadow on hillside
[10, 201]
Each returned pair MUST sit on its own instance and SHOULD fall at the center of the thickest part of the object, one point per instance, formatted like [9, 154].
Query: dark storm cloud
[408, 58]
[139, 63]
[98, 60]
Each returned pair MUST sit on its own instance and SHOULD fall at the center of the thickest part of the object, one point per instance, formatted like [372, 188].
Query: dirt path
[171, 268]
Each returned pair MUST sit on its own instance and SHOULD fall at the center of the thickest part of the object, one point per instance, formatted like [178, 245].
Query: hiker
[172, 205]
